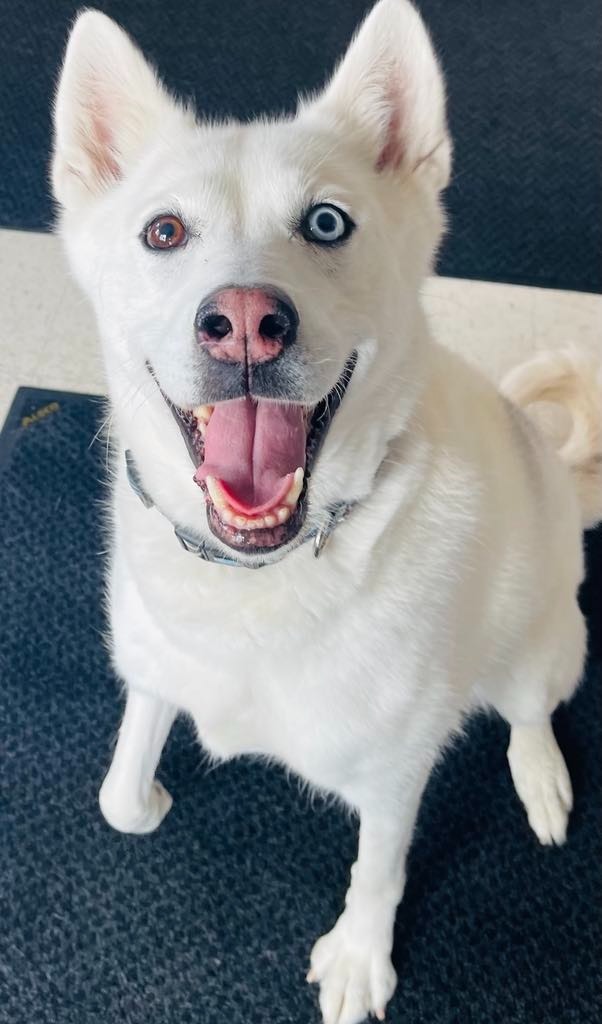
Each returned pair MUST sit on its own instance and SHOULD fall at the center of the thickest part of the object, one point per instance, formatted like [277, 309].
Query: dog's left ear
[388, 93]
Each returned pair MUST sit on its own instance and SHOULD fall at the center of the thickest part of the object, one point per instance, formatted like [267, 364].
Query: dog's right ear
[109, 103]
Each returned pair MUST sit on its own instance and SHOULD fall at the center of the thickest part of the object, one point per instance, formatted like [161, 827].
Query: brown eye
[166, 232]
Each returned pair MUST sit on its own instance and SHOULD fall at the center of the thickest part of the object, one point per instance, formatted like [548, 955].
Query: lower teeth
[267, 522]
[278, 515]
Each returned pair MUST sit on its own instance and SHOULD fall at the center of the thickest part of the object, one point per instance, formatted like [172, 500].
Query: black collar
[193, 542]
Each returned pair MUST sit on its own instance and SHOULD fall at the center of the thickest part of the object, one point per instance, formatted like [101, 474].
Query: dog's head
[255, 285]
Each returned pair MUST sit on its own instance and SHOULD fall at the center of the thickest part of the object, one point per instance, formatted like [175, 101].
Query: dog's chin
[256, 540]
[263, 543]
[267, 530]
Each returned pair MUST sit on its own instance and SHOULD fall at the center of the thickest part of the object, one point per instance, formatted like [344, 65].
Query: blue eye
[326, 225]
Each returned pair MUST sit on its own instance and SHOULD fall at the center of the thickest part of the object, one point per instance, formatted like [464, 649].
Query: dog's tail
[573, 380]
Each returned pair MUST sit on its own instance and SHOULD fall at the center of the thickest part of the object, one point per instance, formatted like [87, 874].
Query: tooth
[215, 492]
[295, 489]
[229, 516]
[203, 413]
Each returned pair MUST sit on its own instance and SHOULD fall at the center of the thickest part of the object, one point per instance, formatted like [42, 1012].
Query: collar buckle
[336, 514]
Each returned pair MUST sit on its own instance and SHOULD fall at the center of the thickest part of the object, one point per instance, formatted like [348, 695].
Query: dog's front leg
[131, 798]
[352, 962]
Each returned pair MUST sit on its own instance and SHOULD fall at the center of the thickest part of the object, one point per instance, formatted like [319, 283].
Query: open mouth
[254, 459]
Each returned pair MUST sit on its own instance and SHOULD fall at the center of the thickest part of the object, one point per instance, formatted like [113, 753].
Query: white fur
[452, 584]
[573, 380]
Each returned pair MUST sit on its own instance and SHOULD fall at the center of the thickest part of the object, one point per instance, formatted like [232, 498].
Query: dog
[331, 538]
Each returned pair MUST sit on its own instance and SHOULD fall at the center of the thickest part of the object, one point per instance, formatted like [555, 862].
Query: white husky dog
[274, 385]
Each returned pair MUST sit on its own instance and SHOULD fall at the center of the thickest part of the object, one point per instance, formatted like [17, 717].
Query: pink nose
[246, 325]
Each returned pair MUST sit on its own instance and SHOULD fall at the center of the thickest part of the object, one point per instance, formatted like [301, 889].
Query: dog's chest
[264, 671]
[297, 702]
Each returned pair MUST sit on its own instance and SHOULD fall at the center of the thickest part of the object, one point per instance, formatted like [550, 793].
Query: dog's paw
[542, 782]
[127, 815]
[355, 980]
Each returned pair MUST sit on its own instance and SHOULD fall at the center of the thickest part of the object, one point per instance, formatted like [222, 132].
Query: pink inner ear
[100, 143]
[392, 152]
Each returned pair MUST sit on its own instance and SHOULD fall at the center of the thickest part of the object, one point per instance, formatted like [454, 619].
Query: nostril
[274, 325]
[215, 325]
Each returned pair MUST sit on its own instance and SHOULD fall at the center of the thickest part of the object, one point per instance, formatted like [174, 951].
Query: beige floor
[49, 339]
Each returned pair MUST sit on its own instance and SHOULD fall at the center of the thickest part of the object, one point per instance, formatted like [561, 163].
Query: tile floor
[49, 338]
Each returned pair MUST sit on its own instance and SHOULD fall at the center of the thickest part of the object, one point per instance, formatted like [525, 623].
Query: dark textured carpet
[211, 918]
[525, 81]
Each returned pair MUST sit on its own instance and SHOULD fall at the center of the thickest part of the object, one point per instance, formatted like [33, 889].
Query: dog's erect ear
[109, 104]
[388, 91]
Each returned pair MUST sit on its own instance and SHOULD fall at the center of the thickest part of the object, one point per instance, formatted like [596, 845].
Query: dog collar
[196, 545]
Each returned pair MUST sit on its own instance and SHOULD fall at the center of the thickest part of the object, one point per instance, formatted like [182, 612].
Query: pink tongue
[253, 448]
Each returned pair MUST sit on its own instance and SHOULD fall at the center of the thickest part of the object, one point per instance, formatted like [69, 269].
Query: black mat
[525, 81]
[210, 920]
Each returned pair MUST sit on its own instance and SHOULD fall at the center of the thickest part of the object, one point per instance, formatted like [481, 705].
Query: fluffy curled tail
[573, 380]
